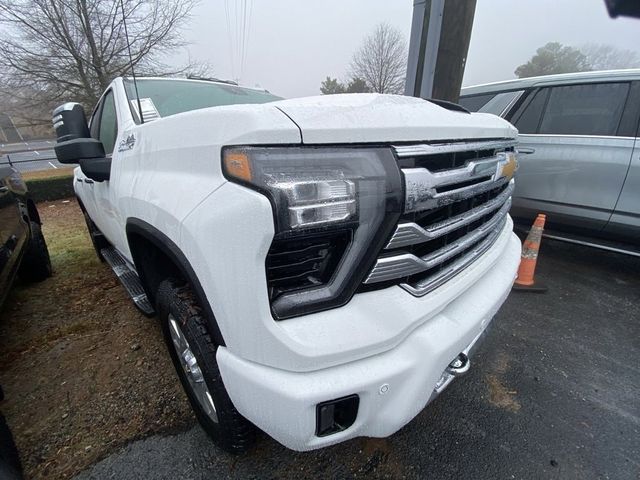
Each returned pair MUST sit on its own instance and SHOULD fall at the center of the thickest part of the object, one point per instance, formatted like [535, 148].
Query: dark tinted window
[475, 102]
[527, 119]
[108, 123]
[629, 122]
[592, 109]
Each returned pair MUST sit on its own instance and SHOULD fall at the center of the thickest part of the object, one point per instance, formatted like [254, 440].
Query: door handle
[4, 189]
[527, 151]
[86, 180]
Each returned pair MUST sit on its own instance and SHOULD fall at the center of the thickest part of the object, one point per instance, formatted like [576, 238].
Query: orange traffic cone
[524, 280]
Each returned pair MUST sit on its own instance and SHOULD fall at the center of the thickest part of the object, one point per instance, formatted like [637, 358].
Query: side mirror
[98, 169]
[74, 141]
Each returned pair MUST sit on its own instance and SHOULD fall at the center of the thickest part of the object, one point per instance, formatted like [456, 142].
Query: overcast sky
[292, 45]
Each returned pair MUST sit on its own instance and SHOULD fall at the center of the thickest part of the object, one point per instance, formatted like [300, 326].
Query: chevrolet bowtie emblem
[510, 165]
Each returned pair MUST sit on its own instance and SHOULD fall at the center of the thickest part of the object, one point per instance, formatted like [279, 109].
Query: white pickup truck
[321, 267]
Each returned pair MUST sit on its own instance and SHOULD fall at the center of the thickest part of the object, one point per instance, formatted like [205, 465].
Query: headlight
[333, 210]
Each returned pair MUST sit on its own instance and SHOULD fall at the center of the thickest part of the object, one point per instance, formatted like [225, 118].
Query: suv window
[527, 118]
[590, 109]
[473, 103]
[501, 101]
[108, 123]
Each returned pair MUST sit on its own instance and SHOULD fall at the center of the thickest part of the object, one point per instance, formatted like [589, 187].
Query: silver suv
[580, 151]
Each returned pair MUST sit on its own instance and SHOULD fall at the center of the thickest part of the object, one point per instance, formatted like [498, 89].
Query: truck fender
[137, 228]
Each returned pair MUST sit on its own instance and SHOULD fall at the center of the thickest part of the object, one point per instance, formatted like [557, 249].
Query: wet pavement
[554, 392]
[30, 156]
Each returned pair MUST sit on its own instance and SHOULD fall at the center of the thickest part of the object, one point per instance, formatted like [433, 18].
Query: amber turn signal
[237, 165]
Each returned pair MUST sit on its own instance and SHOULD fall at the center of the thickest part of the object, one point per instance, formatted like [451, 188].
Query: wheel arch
[32, 211]
[157, 257]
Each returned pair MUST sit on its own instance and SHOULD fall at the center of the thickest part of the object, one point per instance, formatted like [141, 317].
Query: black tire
[232, 432]
[97, 238]
[36, 264]
[10, 467]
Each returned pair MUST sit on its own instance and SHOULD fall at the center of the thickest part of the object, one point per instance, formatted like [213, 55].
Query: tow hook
[459, 365]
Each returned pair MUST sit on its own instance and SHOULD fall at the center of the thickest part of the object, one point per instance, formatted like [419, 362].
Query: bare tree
[608, 57]
[381, 61]
[56, 50]
[32, 120]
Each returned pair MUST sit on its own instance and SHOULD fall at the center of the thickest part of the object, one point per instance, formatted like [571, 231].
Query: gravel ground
[83, 372]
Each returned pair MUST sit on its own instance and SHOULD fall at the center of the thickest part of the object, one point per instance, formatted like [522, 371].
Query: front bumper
[393, 386]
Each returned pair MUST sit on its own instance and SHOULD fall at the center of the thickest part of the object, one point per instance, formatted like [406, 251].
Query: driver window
[93, 124]
[108, 123]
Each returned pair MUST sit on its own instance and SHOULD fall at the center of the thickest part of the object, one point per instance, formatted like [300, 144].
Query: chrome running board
[129, 279]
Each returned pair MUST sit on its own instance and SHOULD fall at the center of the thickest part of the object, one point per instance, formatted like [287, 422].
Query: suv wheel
[36, 264]
[194, 356]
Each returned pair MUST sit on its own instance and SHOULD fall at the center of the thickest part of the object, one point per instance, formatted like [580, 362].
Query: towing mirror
[98, 169]
[74, 142]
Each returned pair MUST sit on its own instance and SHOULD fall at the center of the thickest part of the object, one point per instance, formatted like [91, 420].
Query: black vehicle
[23, 249]
[10, 465]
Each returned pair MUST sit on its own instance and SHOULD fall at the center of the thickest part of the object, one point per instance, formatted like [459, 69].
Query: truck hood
[371, 117]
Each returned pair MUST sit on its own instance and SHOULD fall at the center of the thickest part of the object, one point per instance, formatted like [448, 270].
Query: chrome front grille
[451, 215]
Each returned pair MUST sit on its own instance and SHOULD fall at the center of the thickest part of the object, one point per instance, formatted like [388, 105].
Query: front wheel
[193, 353]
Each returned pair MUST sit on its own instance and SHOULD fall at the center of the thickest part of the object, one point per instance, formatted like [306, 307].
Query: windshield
[176, 96]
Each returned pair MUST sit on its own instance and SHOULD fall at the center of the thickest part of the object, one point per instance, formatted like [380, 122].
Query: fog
[292, 45]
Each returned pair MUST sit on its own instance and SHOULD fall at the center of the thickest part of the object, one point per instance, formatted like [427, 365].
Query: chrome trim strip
[421, 191]
[422, 185]
[411, 233]
[591, 244]
[561, 135]
[64, 107]
[434, 149]
[511, 103]
[403, 265]
[429, 284]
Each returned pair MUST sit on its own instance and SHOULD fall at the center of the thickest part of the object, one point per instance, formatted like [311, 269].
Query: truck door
[574, 155]
[84, 186]
[108, 218]
[104, 127]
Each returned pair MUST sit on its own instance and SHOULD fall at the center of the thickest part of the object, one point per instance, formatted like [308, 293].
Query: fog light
[336, 415]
